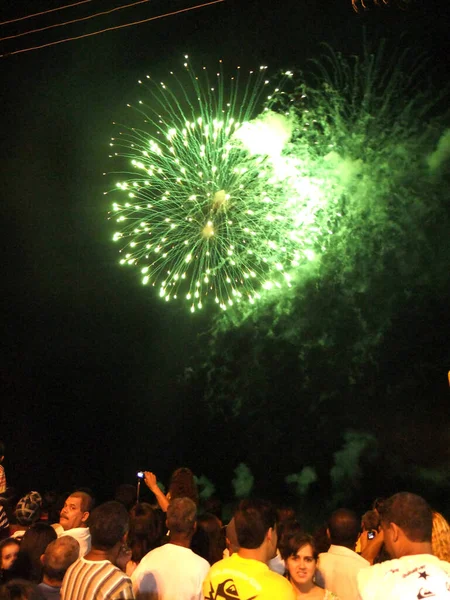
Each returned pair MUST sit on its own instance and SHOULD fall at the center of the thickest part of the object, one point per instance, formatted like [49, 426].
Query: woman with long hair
[182, 485]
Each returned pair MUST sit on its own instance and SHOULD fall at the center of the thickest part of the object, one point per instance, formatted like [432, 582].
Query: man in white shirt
[173, 571]
[339, 567]
[406, 525]
[73, 519]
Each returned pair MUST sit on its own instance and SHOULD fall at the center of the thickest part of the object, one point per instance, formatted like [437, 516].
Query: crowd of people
[177, 548]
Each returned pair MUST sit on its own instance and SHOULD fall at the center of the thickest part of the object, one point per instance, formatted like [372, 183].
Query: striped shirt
[95, 580]
[2, 480]
[4, 523]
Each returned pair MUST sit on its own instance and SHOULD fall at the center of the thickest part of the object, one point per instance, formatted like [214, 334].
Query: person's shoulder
[221, 564]
[200, 561]
[278, 586]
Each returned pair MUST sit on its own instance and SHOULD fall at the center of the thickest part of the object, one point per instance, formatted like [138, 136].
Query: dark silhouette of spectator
[209, 538]
[126, 494]
[145, 531]
[321, 539]
[213, 506]
[34, 543]
[3, 485]
[50, 507]
[19, 589]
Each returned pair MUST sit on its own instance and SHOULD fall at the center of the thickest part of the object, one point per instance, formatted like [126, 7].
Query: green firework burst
[203, 214]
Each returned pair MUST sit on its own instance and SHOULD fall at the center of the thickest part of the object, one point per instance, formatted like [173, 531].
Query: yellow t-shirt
[237, 578]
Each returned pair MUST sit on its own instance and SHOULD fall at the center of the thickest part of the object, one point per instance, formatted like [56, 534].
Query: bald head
[343, 528]
[58, 557]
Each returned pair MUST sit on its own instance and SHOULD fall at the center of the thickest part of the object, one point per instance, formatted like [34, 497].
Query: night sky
[93, 365]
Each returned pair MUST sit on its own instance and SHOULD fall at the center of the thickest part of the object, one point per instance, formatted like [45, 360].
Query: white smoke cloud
[206, 488]
[304, 479]
[243, 482]
[266, 135]
[437, 159]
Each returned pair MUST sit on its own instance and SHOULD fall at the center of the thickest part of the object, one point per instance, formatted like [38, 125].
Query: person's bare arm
[150, 482]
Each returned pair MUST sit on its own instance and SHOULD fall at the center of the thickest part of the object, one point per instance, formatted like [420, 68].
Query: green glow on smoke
[211, 208]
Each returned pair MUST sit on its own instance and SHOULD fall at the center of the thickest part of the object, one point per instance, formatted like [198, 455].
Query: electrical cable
[45, 12]
[79, 37]
[105, 12]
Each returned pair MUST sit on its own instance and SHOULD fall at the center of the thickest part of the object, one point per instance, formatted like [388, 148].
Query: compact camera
[371, 535]
[140, 474]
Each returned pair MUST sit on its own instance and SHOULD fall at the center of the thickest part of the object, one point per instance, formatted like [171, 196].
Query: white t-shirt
[338, 570]
[407, 578]
[170, 572]
[83, 537]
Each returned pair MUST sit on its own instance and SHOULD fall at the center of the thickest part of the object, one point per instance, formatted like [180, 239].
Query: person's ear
[328, 533]
[85, 517]
[395, 531]
[41, 559]
[270, 533]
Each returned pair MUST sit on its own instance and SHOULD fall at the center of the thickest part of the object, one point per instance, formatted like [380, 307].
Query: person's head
[370, 520]
[126, 494]
[28, 509]
[406, 521]
[343, 528]
[209, 539]
[231, 537]
[440, 537]
[32, 546]
[377, 504]
[255, 522]
[19, 589]
[58, 557]
[144, 531]
[286, 530]
[300, 555]
[50, 500]
[181, 517]
[9, 550]
[182, 485]
[108, 525]
[76, 510]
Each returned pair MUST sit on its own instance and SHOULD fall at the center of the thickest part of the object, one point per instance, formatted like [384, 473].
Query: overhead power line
[79, 37]
[44, 12]
[105, 12]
